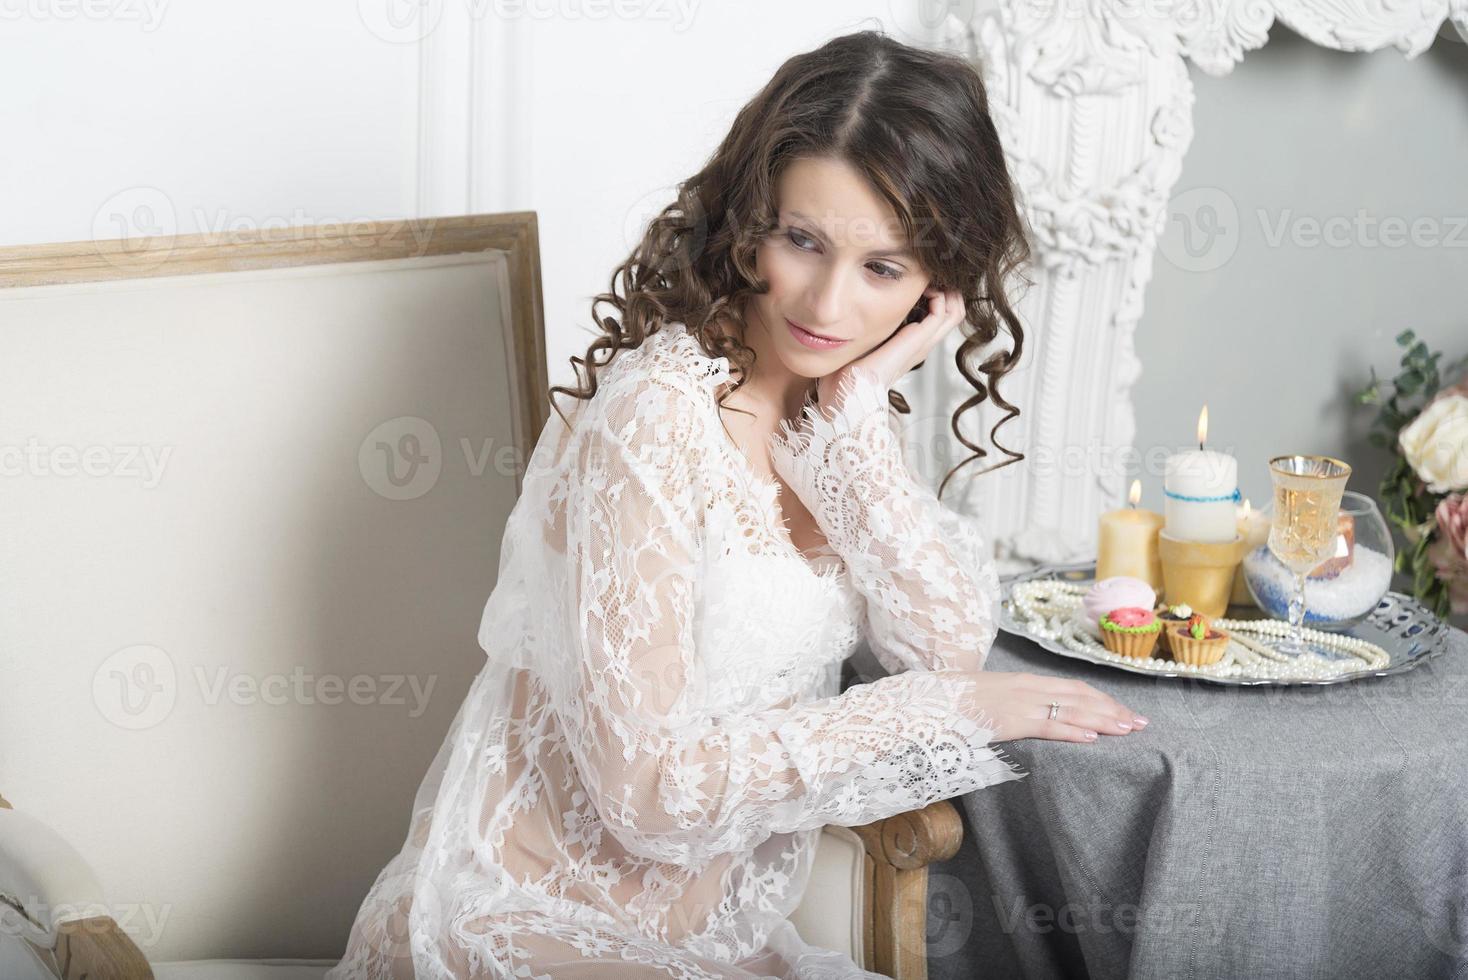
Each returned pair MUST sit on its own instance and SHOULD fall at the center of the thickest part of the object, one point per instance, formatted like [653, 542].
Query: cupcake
[1131, 631]
[1198, 641]
[1115, 592]
[1171, 616]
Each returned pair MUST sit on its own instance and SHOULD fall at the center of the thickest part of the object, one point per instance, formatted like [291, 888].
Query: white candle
[1202, 492]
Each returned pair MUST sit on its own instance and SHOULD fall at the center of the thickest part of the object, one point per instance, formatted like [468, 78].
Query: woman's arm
[931, 588]
[672, 777]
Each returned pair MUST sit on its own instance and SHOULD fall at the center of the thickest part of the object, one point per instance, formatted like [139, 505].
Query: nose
[826, 297]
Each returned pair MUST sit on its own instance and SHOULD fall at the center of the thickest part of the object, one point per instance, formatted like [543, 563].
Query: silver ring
[1054, 709]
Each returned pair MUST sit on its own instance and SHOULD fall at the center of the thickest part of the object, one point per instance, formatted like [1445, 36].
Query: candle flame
[1247, 509]
[1136, 493]
[1203, 426]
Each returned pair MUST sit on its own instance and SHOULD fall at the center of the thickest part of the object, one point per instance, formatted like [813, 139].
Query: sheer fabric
[636, 780]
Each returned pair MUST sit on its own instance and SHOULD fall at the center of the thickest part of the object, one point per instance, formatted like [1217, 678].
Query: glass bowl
[1342, 591]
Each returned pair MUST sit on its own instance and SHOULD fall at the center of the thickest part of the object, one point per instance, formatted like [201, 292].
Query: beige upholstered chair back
[251, 503]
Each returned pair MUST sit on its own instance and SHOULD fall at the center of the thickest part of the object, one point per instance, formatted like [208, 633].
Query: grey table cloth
[1290, 832]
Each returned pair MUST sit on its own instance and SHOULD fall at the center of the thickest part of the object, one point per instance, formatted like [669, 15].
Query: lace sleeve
[930, 586]
[672, 777]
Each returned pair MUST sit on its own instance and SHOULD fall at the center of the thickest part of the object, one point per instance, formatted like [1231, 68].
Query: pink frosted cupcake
[1131, 631]
[1114, 593]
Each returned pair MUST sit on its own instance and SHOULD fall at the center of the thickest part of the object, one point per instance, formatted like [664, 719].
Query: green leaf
[1406, 337]
[1422, 580]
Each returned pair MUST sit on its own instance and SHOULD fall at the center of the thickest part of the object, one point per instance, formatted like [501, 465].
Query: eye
[793, 234]
[886, 271]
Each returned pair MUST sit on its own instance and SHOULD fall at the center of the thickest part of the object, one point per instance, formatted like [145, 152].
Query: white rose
[1435, 445]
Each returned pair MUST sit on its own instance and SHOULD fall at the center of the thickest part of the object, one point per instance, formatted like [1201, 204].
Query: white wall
[157, 116]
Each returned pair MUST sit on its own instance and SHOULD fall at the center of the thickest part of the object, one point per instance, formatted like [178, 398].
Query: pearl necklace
[1051, 610]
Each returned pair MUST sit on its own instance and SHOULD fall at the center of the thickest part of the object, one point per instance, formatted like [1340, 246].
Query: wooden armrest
[899, 850]
[94, 948]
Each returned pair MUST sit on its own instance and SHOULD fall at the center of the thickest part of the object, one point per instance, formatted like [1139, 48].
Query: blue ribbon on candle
[1235, 497]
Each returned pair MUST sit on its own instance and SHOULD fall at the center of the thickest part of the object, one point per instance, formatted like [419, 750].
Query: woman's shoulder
[661, 395]
[667, 375]
[670, 358]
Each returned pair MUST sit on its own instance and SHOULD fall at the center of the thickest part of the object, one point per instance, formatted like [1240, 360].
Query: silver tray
[1403, 627]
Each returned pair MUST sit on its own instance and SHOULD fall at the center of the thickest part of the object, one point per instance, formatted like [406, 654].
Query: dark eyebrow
[903, 252]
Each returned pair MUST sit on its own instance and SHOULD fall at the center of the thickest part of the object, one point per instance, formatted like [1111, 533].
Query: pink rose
[1449, 549]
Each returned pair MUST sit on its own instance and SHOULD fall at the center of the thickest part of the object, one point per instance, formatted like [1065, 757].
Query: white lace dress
[636, 781]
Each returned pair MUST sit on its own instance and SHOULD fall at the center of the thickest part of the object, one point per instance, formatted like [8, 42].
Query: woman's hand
[908, 347]
[1018, 705]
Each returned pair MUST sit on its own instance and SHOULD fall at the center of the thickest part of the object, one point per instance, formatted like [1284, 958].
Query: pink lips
[811, 340]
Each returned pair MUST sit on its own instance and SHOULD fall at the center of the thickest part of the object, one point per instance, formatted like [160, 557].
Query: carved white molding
[1093, 103]
[474, 100]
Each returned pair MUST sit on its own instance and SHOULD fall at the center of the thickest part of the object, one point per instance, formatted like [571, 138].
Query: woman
[636, 781]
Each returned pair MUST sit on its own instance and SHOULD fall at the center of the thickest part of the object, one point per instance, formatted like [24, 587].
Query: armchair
[867, 898]
[196, 644]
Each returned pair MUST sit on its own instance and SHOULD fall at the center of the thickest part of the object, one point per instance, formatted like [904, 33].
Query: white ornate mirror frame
[1094, 105]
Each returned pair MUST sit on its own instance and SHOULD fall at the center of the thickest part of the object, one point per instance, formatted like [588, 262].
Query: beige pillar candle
[1127, 544]
[1254, 527]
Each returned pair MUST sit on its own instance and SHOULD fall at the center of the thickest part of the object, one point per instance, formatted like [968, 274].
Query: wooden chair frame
[897, 850]
[895, 898]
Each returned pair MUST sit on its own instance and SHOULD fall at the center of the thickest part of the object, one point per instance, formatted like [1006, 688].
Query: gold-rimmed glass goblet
[1302, 530]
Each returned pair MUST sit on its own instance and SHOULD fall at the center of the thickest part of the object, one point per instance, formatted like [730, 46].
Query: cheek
[780, 269]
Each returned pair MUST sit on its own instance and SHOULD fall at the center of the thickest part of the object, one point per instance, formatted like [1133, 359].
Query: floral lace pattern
[931, 588]
[636, 780]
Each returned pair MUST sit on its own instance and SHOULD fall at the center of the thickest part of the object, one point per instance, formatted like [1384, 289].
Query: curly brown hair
[916, 123]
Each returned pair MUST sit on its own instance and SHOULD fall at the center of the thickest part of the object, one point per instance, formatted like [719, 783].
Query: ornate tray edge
[1435, 639]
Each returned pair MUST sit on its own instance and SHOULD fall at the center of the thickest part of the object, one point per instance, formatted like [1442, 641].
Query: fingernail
[1124, 726]
[1090, 736]
[1139, 721]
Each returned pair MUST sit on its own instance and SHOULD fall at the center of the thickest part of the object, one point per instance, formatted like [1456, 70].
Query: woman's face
[838, 265]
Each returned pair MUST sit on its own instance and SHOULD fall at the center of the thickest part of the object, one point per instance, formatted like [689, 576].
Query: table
[1289, 832]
